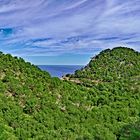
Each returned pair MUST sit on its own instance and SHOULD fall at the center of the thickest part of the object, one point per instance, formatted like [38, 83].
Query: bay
[60, 70]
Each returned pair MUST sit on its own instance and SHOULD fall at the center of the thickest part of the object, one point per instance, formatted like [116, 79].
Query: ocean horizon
[60, 70]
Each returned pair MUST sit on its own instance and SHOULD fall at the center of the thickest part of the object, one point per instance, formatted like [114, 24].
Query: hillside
[98, 102]
[108, 66]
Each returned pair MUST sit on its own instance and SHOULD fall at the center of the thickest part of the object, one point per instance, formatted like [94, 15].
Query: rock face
[97, 102]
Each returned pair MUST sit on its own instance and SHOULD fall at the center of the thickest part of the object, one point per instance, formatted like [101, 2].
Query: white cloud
[63, 19]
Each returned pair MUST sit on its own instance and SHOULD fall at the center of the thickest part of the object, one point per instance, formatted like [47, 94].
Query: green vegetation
[110, 65]
[130, 132]
[99, 102]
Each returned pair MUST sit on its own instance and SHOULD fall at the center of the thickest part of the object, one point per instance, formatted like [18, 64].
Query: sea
[60, 70]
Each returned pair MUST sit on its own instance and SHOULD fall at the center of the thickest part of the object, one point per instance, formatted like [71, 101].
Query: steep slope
[35, 106]
[110, 65]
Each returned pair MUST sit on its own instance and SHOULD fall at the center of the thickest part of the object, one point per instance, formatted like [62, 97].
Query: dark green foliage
[96, 103]
[130, 132]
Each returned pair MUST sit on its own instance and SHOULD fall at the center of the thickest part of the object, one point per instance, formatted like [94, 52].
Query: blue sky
[67, 31]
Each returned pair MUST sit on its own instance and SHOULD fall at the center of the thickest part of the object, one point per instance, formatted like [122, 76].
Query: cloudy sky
[67, 31]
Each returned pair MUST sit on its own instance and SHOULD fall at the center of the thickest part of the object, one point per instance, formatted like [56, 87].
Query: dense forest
[99, 102]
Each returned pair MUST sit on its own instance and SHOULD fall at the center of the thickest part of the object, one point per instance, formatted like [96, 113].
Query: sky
[67, 32]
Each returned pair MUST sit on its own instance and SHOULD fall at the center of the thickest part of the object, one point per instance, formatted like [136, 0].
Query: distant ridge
[109, 65]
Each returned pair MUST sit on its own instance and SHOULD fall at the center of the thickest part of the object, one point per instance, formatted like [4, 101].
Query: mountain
[110, 65]
[97, 102]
